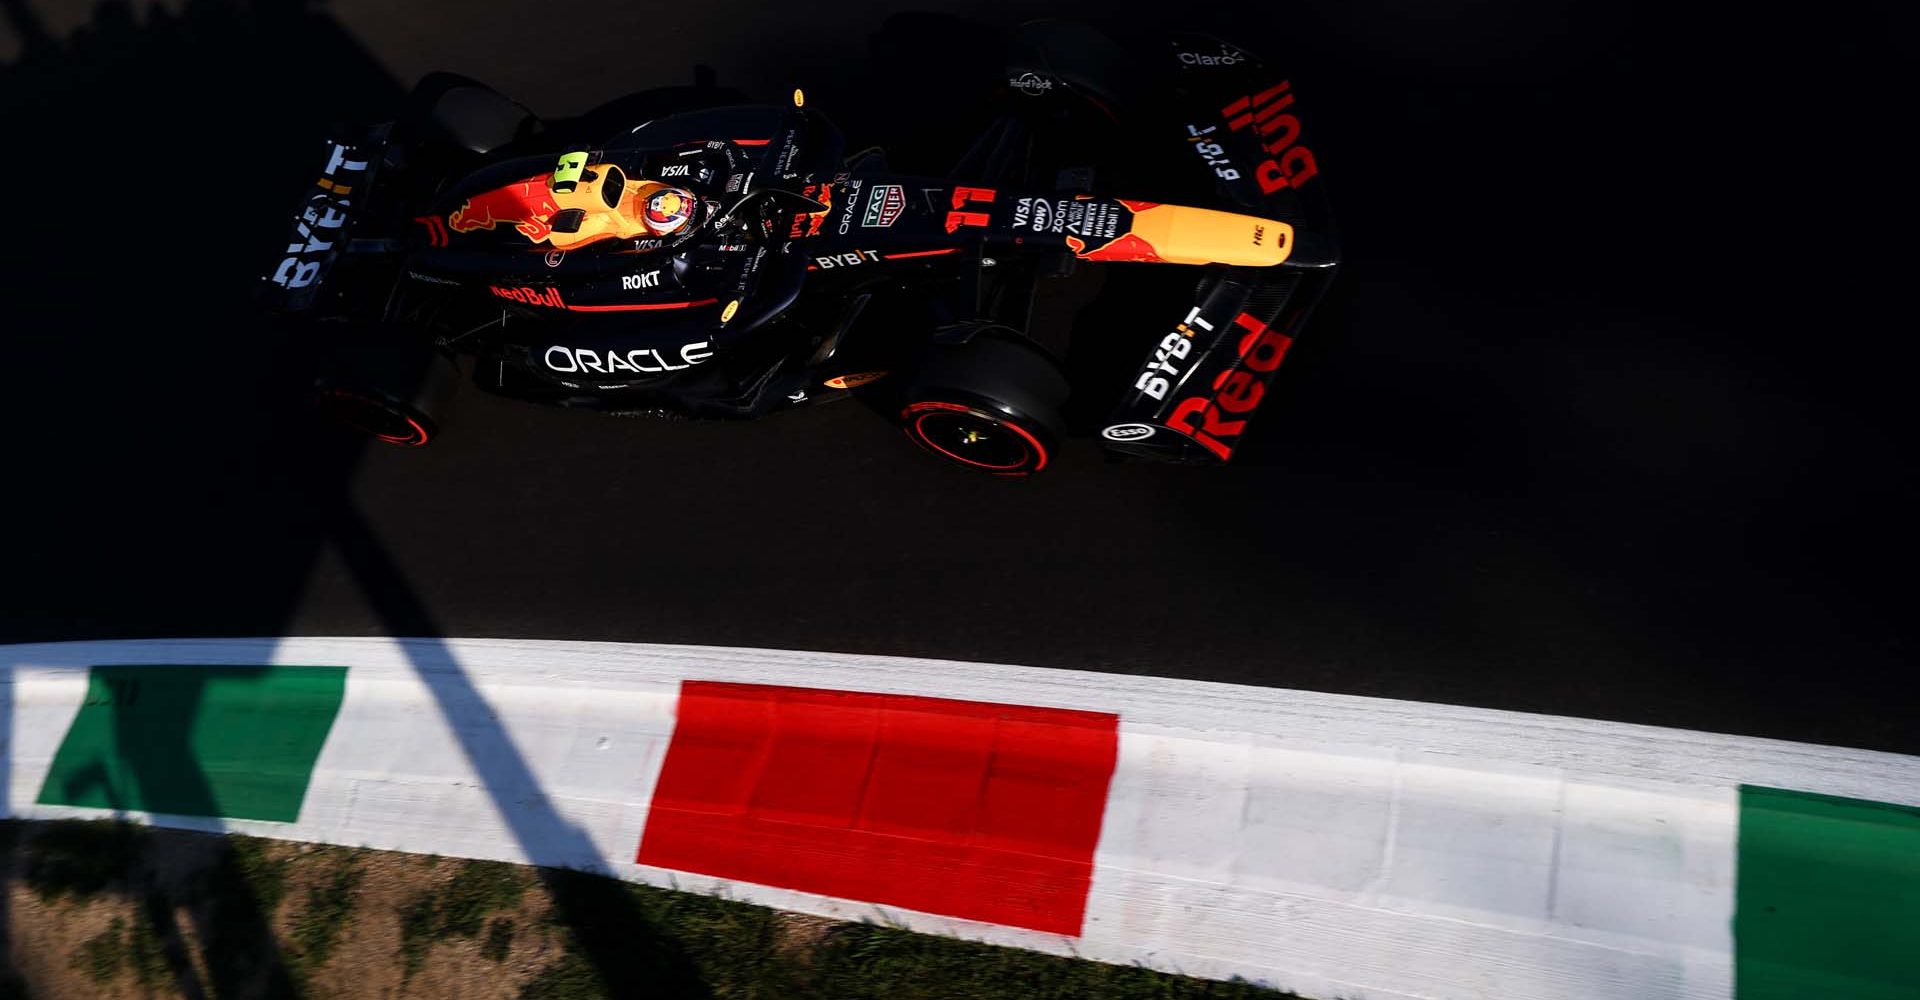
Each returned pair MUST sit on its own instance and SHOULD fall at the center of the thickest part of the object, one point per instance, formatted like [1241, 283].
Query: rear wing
[322, 222]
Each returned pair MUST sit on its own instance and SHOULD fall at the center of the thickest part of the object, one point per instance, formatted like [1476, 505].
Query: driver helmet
[667, 210]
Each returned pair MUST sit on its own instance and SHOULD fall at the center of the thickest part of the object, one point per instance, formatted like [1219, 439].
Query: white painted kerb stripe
[1399, 875]
[1326, 844]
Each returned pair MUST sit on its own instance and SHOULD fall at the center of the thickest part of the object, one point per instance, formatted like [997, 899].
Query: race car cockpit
[603, 202]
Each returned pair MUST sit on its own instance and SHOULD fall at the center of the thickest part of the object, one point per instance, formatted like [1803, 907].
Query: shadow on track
[174, 147]
[11, 985]
[126, 122]
[141, 142]
[599, 913]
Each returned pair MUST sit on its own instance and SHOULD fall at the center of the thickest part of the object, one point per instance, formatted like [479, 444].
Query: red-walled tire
[978, 437]
[392, 393]
[991, 405]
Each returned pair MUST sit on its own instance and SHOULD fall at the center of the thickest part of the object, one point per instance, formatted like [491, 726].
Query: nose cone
[1183, 235]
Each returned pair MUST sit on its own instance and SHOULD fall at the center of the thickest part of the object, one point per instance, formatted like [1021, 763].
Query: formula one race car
[683, 253]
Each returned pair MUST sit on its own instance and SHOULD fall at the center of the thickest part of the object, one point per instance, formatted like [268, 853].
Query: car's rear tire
[468, 114]
[394, 392]
[624, 114]
[1083, 56]
[991, 404]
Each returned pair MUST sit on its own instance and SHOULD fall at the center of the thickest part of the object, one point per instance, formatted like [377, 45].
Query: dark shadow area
[147, 442]
[80, 861]
[593, 910]
[219, 882]
[160, 917]
[151, 727]
[206, 123]
[12, 987]
[84, 859]
[141, 442]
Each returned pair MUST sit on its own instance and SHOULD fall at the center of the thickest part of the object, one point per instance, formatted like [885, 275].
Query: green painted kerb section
[229, 742]
[1828, 899]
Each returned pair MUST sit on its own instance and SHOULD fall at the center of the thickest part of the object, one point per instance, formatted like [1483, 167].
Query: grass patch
[613, 939]
[460, 909]
[869, 961]
[12, 986]
[571, 978]
[499, 940]
[241, 951]
[80, 859]
[417, 923]
[329, 905]
[478, 889]
[134, 948]
[101, 954]
[704, 946]
[265, 876]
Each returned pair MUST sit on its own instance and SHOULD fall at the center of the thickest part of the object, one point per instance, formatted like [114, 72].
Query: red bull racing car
[682, 252]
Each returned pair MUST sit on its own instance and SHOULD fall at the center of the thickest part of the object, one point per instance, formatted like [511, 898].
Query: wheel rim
[373, 415]
[975, 438]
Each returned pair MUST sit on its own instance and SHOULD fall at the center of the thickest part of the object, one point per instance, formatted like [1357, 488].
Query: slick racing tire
[391, 392]
[991, 404]
[1085, 58]
[468, 114]
[623, 115]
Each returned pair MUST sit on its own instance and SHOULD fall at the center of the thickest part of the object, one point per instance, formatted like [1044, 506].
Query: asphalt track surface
[1600, 419]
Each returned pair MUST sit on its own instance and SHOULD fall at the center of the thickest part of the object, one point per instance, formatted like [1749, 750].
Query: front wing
[1202, 380]
[1210, 371]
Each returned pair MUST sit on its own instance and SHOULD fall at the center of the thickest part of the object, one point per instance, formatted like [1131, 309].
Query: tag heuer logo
[884, 205]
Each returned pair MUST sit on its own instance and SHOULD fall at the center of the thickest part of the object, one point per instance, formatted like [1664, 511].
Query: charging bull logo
[806, 224]
[595, 204]
[526, 206]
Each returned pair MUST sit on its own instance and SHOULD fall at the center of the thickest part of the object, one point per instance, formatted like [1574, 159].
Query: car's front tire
[991, 404]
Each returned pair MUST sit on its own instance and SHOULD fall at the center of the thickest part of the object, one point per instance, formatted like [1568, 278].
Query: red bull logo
[549, 297]
[1208, 419]
[807, 224]
[1292, 165]
[526, 206]
[1128, 247]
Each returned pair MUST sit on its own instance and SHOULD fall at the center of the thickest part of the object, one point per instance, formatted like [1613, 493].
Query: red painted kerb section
[962, 808]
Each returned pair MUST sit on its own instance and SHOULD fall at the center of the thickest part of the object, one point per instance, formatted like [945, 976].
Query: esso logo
[1127, 432]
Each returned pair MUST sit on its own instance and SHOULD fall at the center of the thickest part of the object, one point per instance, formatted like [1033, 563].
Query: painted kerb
[1323, 844]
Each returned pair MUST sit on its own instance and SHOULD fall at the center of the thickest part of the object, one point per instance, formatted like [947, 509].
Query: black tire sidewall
[1041, 443]
[1000, 375]
[413, 381]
